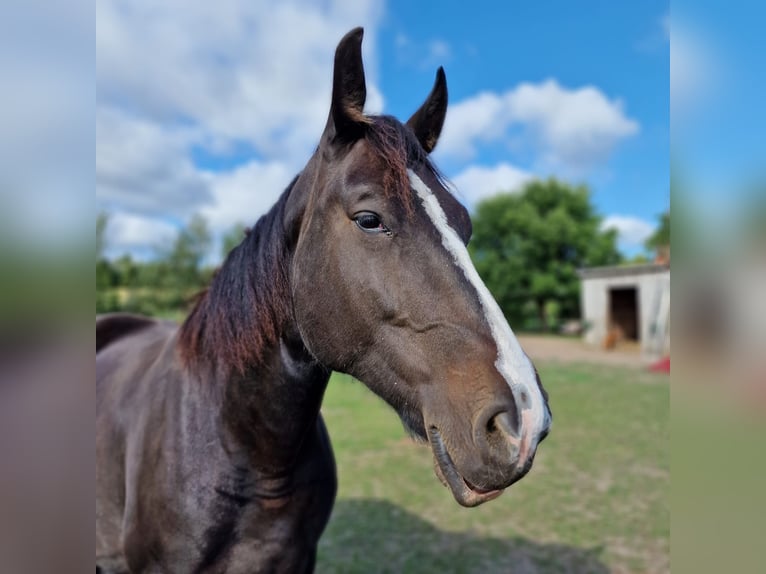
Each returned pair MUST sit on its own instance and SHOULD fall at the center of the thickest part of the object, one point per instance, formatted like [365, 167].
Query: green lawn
[596, 500]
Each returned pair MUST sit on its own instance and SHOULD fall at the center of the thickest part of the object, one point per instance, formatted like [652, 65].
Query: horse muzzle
[506, 458]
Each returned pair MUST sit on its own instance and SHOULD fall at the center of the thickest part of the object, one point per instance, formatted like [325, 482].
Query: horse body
[211, 452]
[180, 487]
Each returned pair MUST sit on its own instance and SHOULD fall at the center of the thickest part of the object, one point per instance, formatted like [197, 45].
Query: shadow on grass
[377, 536]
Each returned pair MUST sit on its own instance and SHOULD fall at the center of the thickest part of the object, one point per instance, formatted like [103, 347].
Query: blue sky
[718, 119]
[212, 107]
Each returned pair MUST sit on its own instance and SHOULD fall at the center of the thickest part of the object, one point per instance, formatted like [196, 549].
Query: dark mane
[245, 308]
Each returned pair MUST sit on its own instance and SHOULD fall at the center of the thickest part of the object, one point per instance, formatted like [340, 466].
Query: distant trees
[105, 279]
[182, 263]
[527, 246]
[661, 236]
[163, 285]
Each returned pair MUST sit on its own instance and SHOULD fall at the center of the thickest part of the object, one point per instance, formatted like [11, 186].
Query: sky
[718, 122]
[213, 107]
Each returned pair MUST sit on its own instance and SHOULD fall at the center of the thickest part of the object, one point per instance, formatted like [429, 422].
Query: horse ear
[349, 91]
[427, 122]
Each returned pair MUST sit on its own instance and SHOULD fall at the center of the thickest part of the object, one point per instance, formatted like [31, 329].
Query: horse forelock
[399, 150]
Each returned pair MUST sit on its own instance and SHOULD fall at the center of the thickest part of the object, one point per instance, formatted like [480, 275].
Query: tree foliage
[182, 264]
[661, 236]
[104, 274]
[528, 246]
[162, 285]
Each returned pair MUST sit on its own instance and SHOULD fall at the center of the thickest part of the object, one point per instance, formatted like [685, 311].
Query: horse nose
[498, 433]
[506, 423]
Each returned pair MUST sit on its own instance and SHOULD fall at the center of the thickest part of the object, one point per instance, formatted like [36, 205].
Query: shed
[627, 303]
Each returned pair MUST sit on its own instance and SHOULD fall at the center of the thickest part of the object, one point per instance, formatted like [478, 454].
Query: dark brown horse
[211, 452]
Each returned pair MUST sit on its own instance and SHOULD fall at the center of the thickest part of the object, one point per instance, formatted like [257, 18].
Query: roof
[623, 270]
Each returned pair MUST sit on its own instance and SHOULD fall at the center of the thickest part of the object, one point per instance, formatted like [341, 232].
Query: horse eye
[368, 221]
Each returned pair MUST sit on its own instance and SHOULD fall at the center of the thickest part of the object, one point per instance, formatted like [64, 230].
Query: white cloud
[173, 77]
[479, 119]
[572, 129]
[144, 167]
[632, 231]
[478, 182]
[439, 51]
[423, 55]
[252, 71]
[243, 195]
[143, 171]
[238, 196]
[135, 232]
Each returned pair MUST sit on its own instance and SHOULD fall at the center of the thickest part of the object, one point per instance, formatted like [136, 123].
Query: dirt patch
[572, 350]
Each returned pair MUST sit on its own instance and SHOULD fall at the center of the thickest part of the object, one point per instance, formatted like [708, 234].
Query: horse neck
[268, 413]
[242, 335]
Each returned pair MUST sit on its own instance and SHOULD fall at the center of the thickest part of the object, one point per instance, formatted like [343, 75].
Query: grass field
[596, 500]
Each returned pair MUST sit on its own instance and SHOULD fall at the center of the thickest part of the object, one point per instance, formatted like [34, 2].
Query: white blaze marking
[512, 363]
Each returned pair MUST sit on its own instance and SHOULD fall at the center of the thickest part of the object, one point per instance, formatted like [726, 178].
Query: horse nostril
[505, 422]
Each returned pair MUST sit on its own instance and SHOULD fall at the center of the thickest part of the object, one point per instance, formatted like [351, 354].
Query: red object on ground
[661, 366]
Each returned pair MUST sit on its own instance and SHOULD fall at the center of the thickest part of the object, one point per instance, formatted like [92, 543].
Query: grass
[596, 500]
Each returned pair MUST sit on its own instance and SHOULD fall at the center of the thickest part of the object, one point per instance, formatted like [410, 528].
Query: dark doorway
[623, 312]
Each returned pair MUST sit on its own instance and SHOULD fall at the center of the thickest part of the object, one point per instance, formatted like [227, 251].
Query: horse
[211, 451]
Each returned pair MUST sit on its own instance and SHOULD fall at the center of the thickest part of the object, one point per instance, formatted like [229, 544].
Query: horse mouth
[465, 493]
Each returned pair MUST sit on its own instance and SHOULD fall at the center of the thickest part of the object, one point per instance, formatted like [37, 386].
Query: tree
[528, 246]
[106, 277]
[104, 271]
[126, 270]
[661, 236]
[183, 263]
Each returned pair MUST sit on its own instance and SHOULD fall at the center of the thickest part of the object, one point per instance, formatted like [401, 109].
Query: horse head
[383, 288]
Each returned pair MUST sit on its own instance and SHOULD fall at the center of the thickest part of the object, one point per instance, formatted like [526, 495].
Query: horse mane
[248, 303]
[244, 310]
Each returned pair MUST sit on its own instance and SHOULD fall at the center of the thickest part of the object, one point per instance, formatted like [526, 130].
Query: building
[627, 303]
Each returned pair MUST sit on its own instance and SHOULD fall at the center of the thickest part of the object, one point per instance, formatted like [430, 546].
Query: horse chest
[235, 536]
[208, 521]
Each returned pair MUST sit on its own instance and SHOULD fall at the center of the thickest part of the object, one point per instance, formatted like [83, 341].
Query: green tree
[661, 236]
[528, 246]
[106, 277]
[126, 270]
[637, 259]
[183, 263]
[104, 271]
